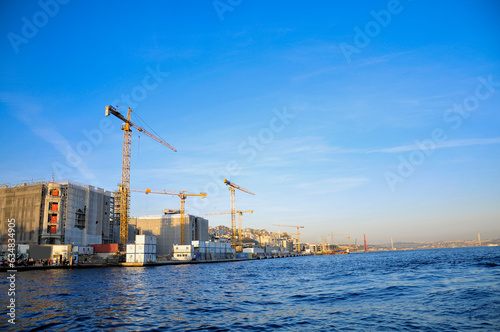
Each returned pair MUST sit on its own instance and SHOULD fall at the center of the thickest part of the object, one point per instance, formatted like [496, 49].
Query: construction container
[153, 249]
[182, 256]
[140, 258]
[140, 248]
[130, 258]
[83, 250]
[140, 239]
[183, 248]
[108, 248]
[253, 250]
[130, 248]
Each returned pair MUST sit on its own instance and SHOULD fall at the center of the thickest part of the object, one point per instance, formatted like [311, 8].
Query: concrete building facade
[167, 229]
[63, 212]
[23, 203]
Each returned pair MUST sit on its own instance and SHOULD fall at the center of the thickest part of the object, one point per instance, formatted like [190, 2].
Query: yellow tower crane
[231, 187]
[259, 233]
[182, 195]
[298, 234]
[125, 184]
[347, 237]
[239, 212]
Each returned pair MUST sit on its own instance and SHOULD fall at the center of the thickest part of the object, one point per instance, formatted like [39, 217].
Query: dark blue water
[446, 289]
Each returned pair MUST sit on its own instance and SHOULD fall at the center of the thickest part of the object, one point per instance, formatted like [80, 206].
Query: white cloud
[332, 185]
[447, 144]
[31, 114]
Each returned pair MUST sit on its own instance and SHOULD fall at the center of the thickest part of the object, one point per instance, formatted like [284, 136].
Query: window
[80, 219]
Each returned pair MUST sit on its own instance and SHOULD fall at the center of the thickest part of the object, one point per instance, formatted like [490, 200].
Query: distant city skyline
[379, 118]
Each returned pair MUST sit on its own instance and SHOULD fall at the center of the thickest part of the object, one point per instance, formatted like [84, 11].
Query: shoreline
[87, 266]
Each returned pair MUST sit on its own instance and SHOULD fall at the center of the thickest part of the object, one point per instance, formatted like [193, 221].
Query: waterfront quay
[28, 267]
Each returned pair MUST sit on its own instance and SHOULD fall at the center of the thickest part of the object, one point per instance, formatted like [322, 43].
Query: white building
[167, 229]
[63, 212]
[77, 214]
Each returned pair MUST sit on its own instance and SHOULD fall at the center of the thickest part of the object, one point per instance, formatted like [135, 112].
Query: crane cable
[144, 124]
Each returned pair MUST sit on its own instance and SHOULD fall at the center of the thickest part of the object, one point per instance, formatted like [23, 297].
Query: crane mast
[346, 236]
[233, 221]
[231, 187]
[125, 183]
[298, 234]
[240, 213]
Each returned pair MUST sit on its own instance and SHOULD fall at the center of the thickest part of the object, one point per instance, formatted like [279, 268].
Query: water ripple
[452, 289]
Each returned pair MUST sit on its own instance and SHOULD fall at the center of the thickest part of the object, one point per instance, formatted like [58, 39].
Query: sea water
[439, 289]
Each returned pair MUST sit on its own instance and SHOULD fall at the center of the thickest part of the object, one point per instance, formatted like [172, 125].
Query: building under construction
[63, 212]
[167, 229]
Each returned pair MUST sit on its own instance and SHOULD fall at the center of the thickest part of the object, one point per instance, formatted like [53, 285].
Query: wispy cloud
[367, 62]
[311, 145]
[446, 144]
[383, 58]
[332, 185]
[30, 113]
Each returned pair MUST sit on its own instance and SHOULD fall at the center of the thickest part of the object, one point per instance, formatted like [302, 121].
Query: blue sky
[378, 118]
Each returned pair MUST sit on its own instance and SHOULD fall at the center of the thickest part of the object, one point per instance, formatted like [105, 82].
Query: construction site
[65, 223]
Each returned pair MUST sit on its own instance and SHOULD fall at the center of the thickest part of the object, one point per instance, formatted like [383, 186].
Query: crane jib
[110, 109]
